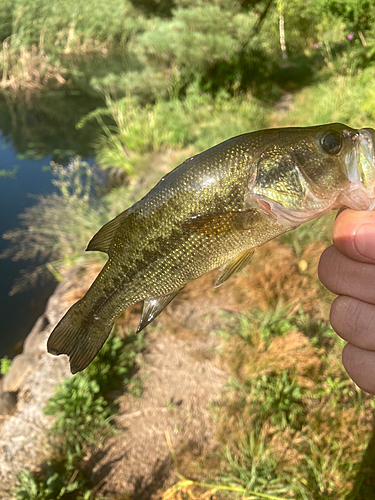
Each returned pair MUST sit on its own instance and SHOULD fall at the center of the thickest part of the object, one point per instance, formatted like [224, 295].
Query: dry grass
[277, 278]
[28, 69]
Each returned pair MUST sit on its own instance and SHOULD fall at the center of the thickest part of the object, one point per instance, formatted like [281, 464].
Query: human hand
[348, 269]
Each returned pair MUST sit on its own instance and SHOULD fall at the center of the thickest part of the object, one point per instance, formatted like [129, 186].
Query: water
[19, 312]
[31, 135]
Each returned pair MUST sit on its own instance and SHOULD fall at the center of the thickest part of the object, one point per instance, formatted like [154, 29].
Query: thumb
[354, 235]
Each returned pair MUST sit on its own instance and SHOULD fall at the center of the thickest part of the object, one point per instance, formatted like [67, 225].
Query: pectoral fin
[219, 223]
[234, 266]
[153, 307]
[102, 240]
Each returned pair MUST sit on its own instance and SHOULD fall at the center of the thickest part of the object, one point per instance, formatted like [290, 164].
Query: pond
[31, 135]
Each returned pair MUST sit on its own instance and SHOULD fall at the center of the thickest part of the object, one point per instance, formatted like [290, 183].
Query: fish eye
[331, 143]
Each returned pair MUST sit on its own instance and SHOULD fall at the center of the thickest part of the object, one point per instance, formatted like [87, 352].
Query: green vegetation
[284, 413]
[345, 99]
[84, 411]
[42, 40]
[5, 364]
[9, 173]
[282, 400]
[196, 121]
[174, 78]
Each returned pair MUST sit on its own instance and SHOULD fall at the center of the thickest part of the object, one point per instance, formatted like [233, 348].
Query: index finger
[354, 235]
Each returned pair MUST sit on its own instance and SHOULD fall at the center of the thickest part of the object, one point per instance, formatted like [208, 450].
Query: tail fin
[78, 338]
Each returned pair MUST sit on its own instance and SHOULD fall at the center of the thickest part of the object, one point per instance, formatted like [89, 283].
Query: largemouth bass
[212, 211]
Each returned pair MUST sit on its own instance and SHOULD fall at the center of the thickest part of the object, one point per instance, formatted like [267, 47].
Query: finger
[354, 321]
[360, 365]
[345, 276]
[354, 235]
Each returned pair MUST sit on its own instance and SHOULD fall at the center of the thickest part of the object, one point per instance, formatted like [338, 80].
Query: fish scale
[211, 211]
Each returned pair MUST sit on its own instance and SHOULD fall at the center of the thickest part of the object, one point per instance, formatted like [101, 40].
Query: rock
[23, 437]
[8, 403]
[22, 365]
[22, 443]
[35, 341]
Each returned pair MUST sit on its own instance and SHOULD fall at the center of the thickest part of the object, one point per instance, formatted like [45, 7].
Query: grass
[43, 42]
[186, 486]
[347, 99]
[55, 231]
[133, 133]
[28, 69]
[291, 424]
[319, 229]
[83, 399]
[198, 121]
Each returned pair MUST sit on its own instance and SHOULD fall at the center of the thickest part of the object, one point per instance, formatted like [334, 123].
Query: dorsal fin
[153, 307]
[102, 240]
[234, 266]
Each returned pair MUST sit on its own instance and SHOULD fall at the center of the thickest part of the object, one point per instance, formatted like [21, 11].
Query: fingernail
[364, 240]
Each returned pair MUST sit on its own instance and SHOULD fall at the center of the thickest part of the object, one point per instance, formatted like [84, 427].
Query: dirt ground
[179, 389]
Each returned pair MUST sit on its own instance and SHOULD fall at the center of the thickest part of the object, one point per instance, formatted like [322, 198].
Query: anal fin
[234, 266]
[153, 307]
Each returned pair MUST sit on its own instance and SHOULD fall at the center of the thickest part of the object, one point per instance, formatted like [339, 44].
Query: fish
[212, 211]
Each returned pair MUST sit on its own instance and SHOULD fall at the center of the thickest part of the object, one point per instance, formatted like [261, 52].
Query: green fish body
[212, 211]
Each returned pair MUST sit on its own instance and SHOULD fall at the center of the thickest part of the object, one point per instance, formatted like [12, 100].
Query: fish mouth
[360, 170]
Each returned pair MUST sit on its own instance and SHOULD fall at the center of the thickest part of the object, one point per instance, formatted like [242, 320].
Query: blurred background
[97, 101]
